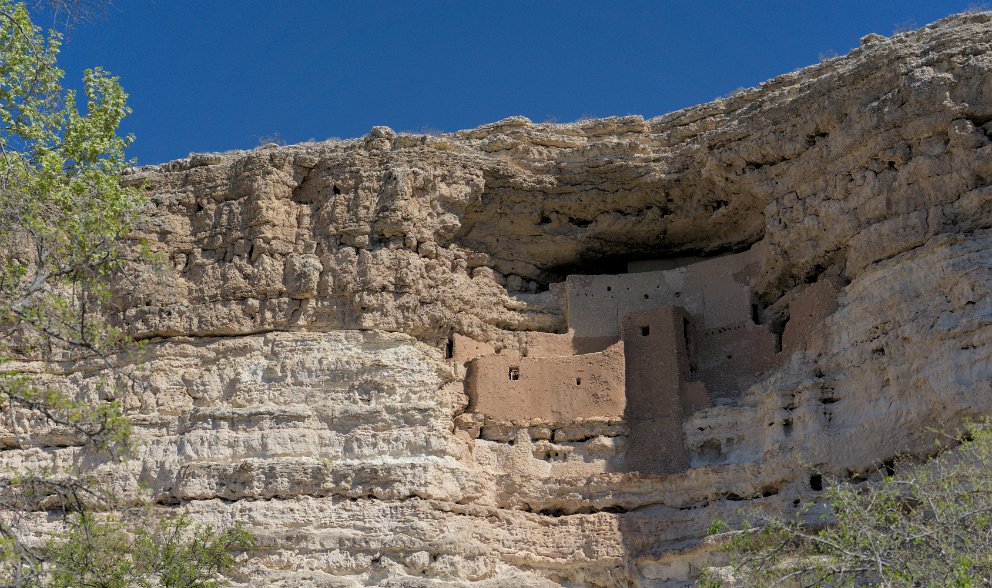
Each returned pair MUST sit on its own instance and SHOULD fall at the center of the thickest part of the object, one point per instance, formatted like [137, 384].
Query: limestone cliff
[297, 375]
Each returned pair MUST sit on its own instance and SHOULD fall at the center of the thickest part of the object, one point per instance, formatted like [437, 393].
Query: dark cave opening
[637, 260]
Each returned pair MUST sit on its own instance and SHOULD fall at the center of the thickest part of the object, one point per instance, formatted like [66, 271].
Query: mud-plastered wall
[559, 389]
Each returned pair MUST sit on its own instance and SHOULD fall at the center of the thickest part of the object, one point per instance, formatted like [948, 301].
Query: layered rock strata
[296, 373]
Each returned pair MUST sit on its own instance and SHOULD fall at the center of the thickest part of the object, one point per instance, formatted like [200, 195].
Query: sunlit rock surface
[296, 378]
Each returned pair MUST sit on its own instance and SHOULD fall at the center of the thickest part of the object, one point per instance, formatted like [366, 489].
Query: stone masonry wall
[717, 291]
[295, 375]
[553, 389]
[659, 393]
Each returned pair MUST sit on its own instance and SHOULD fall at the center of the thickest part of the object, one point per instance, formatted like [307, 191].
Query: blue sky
[211, 75]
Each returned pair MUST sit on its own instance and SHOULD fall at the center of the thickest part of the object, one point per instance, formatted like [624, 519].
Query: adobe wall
[659, 348]
[715, 291]
[593, 344]
[511, 388]
[550, 345]
[465, 349]
[694, 397]
[540, 344]
[733, 358]
[807, 311]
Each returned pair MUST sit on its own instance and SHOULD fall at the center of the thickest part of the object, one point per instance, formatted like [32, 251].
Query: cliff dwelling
[644, 350]
[446, 360]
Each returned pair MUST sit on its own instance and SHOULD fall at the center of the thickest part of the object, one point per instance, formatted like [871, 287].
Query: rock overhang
[374, 252]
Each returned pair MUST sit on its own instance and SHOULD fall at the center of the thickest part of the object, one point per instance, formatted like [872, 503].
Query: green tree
[64, 216]
[63, 213]
[171, 552]
[927, 526]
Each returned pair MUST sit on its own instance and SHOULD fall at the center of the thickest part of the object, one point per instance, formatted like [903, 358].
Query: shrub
[170, 552]
[927, 526]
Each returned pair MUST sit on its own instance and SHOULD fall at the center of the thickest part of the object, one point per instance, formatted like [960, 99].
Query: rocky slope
[295, 374]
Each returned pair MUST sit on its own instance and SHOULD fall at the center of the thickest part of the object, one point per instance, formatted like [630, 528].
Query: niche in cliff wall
[645, 349]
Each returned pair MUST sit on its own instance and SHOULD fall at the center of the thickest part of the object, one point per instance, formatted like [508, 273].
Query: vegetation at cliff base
[64, 218]
[923, 526]
[117, 553]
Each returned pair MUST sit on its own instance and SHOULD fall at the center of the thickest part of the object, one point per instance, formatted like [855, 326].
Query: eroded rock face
[296, 375]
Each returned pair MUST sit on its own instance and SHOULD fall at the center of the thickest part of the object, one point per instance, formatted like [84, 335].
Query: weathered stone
[308, 338]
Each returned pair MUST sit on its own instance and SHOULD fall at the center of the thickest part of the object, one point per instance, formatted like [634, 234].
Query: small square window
[514, 373]
[645, 331]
